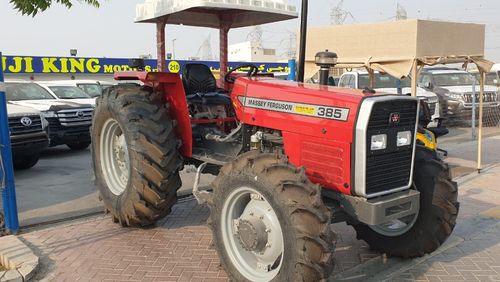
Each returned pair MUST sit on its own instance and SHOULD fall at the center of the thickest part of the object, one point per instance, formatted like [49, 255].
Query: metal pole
[292, 69]
[6, 169]
[303, 38]
[473, 122]
[480, 134]
[414, 74]
[173, 48]
[160, 44]
[223, 41]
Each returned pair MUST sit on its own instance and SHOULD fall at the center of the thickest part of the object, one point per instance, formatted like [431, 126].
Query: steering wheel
[253, 70]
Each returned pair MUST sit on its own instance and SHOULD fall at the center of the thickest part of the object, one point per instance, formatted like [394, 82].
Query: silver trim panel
[365, 112]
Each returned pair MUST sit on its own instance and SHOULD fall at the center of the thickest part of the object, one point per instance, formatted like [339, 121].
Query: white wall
[245, 52]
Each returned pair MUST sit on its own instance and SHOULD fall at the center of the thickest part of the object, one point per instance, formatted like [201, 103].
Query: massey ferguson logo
[394, 118]
[26, 121]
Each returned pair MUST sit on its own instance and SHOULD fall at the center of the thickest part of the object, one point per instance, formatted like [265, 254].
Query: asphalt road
[61, 186]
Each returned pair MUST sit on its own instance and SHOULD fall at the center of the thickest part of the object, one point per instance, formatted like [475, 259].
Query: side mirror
[427, 85]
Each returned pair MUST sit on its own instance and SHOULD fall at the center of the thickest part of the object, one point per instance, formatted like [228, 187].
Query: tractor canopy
[219, 14]
[215, 13]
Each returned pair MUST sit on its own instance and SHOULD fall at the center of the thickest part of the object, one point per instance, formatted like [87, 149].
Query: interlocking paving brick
[179, 248]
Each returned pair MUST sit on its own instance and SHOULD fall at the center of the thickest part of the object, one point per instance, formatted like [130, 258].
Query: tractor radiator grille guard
[388, 168]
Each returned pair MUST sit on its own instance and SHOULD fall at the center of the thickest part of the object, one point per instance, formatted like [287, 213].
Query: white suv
[388, 84]
[68, 122]
[27, 135]
[457, 86]
[67, 92]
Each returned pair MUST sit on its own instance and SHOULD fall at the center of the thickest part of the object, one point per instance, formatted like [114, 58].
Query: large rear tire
[269, 222]
[135, 154]
[435, 221]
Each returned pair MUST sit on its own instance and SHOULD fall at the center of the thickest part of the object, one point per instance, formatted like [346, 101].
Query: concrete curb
[20, 261]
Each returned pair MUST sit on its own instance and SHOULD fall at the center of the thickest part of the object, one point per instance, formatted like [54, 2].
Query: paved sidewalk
[179, 248]
[472, 253]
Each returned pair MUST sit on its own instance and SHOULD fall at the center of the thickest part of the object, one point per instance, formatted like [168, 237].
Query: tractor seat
[439, 131]
[201, 86]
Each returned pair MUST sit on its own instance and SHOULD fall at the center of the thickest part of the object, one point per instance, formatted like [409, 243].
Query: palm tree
[32, 7]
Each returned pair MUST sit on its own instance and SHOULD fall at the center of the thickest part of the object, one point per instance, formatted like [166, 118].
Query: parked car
[68, 122]
[67, 92]
[28, 135]
[389, 84]
[93, 88]
[492, 77]
[457, 86]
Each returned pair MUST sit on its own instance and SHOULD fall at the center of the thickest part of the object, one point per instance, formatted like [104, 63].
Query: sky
[110, 31]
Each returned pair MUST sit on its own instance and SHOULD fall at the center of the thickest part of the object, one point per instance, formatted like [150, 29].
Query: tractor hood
[209, 13]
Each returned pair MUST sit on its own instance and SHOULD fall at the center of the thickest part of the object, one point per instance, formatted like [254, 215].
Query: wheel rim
[395, 227]
[114, 157]
[244, 208]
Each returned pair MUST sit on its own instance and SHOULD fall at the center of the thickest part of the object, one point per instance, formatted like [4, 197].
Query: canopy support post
[371, 76]
[414, 75]
[160, 44]
[480, 133]
[223, 41]
[303, 38]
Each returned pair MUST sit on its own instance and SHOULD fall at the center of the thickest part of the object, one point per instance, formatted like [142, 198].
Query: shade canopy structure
[393, 47]
[220, 14]
[402, 48]
[215, 13]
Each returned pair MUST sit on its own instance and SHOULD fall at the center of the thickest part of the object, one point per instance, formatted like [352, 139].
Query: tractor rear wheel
[135, 154]
[422, 233]
[269, 222]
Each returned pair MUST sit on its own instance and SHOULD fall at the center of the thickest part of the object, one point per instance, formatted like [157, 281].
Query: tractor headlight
[404, 138]
[379, 142]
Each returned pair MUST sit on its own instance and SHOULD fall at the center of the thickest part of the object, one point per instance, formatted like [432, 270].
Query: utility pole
[173, 48]
[255, 37]
[338, 15]
[401, 13]
[205, 50]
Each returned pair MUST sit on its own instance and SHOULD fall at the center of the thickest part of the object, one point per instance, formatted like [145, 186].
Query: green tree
[32, 7]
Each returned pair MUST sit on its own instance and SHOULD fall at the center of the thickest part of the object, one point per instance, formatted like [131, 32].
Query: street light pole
[173, 48]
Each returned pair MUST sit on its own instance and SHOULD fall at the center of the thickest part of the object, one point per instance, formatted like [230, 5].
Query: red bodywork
[322, 146]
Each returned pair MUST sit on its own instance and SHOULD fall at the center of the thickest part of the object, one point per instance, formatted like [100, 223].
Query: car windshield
[382, 81]
[26, 91]
[453, 79]
[490, 78]
[69, 92]
[93, 90]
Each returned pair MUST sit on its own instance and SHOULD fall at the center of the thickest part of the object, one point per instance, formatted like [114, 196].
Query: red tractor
[290, 158]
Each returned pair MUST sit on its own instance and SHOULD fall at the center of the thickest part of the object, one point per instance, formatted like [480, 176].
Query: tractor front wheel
[135, 154]
[422, 233]
[269, 222]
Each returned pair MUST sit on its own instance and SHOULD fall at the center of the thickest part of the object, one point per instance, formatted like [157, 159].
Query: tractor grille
[488, 97]
[32, 124]
[75, 117]
[390, 168]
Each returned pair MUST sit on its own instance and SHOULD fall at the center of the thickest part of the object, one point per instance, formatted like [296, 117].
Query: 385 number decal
[330, 112]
